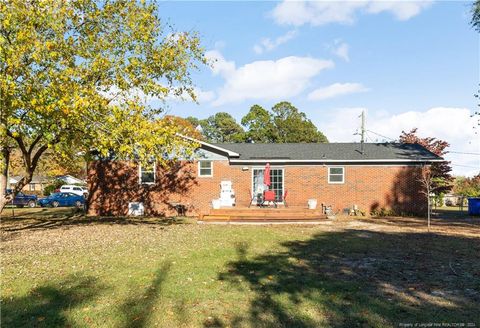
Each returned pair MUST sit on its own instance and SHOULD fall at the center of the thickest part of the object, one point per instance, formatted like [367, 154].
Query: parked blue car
[62, 199]
[22, 199]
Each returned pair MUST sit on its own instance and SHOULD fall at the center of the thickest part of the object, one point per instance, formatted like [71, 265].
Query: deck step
[233, 218]
[276, 218]
[215, 218]
[262, 212]
[265, 221]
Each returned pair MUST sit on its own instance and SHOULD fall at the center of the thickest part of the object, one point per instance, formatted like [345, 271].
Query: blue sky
[407, 64]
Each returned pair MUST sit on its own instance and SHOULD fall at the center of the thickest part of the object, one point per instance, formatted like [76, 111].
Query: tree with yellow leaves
[79, 74]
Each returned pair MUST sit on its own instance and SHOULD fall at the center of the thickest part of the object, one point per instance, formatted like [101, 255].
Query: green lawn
[82, 272]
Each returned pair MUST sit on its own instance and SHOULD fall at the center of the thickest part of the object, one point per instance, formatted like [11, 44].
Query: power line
[473, 167]
[369, 137]
[378, 134]
[448, 151]
[463, 153]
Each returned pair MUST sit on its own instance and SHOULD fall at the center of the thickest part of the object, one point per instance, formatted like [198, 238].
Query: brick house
[373, 177]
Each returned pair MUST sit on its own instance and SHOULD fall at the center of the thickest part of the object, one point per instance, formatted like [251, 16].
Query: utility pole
[362, 131]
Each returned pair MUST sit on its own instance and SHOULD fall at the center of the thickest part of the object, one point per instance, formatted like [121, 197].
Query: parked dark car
[62, 199]
[22, 199]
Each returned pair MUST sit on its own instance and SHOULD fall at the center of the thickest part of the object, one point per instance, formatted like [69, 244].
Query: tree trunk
[428, 215]
[4, 163]
[15, 190]
[4, 198]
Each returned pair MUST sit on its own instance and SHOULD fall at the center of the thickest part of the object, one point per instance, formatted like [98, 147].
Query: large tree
[475, 21]
[259, 124]
[222, 127]
[291, 125]
[467, 187]
[284, 123]
[195, 122]
[439, 172]
[78, 75]
[476, 113]
[185, 126]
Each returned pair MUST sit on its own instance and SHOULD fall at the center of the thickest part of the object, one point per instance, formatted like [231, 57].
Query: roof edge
[206, 144]
[337, 160]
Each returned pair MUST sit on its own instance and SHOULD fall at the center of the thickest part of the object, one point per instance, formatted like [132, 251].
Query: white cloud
[402, 10]
[453, 125]
[335, 90]
[322, 12]
[341, 50]
[220, 66]
[266, 80]
[267, 44]
[204, 96]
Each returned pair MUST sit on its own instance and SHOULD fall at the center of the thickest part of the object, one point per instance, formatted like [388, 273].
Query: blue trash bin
[474, 206]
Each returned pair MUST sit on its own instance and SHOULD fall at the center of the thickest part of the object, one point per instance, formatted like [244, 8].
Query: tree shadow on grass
[449, 214]
[46, 306]
[14, 213]
[138, 307]
[79, 219]
[360, 278]
[464, 224]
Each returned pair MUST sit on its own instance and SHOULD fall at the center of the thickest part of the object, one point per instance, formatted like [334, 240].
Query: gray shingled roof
[330, 151]
[35, 179]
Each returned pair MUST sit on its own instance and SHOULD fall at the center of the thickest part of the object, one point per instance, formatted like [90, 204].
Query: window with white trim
[336, 174]
[147, 174]
[205, 168]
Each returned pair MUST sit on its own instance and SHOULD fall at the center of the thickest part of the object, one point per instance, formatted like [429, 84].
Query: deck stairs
[261, 214]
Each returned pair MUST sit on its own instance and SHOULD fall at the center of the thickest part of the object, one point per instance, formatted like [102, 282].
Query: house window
[336, 175]
[31, 187]
[205, 168]
[147, 174]
[276, 182]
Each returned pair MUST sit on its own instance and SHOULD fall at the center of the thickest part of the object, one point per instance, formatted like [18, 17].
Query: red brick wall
[113, 184]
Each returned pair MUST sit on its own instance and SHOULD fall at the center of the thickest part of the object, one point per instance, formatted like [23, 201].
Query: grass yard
[62, 269]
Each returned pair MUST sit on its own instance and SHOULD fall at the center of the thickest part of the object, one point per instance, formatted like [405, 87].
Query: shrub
[56, 184]
[383, 212]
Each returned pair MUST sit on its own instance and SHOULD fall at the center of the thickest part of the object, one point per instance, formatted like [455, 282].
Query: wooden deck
[260, 214]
